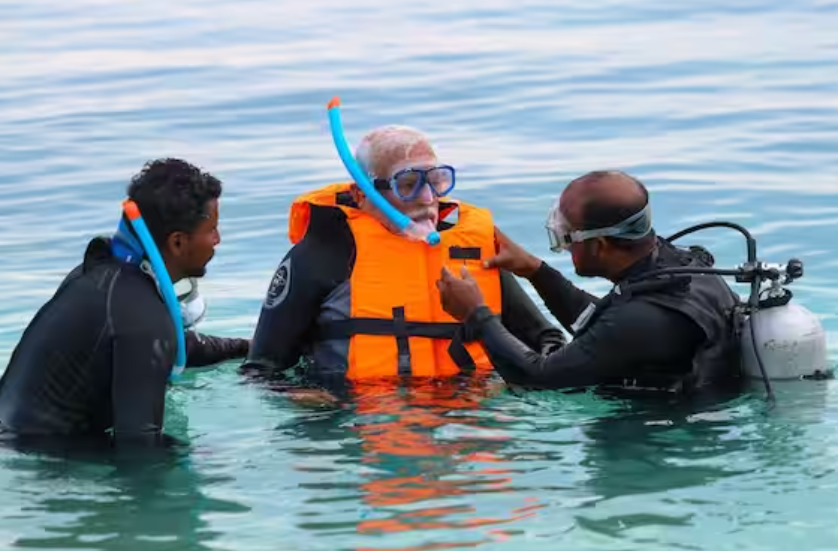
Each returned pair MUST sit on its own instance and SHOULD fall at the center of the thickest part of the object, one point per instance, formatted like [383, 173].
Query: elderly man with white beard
[354, 300]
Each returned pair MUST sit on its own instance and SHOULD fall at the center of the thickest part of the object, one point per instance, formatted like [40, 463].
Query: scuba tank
[788, 337]
[780, 340]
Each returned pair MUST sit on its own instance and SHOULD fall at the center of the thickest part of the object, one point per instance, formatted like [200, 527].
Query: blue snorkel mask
[399, 219]
[186, 308]
[636, 226]
[407, 184]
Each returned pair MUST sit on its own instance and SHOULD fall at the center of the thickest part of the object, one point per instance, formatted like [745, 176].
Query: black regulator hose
[749, 239]
[757, 276]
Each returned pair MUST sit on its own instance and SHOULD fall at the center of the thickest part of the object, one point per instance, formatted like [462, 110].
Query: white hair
[387, 143]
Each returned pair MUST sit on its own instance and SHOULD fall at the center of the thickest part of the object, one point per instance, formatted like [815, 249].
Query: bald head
[602, 198]
[386, 149]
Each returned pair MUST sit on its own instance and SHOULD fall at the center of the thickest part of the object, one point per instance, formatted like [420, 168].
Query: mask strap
[622, 230]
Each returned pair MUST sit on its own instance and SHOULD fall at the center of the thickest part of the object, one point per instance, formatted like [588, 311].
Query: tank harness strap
[625, 291]
[677, 282]
[402, 330]
[676, 384]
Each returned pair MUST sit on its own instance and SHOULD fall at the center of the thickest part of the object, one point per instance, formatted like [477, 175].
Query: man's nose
[425, 196]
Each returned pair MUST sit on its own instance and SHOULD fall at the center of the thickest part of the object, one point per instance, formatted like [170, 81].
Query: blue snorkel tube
[164, 282]
[402, 222]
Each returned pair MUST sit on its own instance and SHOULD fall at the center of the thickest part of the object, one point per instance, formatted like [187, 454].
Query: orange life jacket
[397, 325]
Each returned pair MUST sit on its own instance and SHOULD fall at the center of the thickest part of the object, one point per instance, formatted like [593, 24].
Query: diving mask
[562, 237]
[408, 183]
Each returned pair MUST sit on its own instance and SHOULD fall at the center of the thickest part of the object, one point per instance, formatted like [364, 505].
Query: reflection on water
[78, 500]
[452, 466]
[684, 461]
[726, 110]
[80, 507]
[428, 455]
[439, 466]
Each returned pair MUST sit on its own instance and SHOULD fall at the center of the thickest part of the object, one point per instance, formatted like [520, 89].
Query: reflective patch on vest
[280, 283]
[464, 253]
[583, 318]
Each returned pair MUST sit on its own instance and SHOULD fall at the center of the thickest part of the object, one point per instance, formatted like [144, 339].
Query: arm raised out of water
[565, 300]
[203, 350]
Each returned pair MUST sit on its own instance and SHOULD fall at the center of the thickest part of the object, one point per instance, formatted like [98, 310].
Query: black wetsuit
[97, 356]
[321, 262]
[651, 340]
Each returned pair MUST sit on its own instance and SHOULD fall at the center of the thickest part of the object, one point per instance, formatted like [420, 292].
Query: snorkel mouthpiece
[193, 307]
[399, 219]
[167, 289]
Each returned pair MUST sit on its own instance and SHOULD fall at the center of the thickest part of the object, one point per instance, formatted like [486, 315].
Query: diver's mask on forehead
[561, 235]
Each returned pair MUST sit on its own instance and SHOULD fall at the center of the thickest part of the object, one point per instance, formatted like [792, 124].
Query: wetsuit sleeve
[523, 319]
[634, 334]
[143, 353]
[307, 274]
[203, 350]
[565, 300]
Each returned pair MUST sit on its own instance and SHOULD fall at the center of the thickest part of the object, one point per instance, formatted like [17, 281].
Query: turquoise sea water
[725, 110]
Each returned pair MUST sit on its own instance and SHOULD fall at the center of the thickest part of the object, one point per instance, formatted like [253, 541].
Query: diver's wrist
[533, 265]
[477, 318]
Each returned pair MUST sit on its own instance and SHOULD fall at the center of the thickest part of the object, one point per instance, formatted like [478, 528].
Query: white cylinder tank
[791, 342]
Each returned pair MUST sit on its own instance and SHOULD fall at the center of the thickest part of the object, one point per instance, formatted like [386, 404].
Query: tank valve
[794, 269]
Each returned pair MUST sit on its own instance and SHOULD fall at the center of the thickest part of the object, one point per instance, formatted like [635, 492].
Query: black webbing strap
[402, 330]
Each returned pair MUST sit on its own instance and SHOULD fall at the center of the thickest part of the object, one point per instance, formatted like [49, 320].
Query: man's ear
[176, 243]
[594, 246]
[602, 245]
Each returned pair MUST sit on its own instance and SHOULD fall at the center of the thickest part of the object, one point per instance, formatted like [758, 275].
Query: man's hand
[512, 258]
[459, 297]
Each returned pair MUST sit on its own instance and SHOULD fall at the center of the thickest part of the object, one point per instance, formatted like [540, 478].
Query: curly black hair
[172, 195]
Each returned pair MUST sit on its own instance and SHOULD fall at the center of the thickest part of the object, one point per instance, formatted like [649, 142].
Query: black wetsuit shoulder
[96, 357]
[308, 272]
